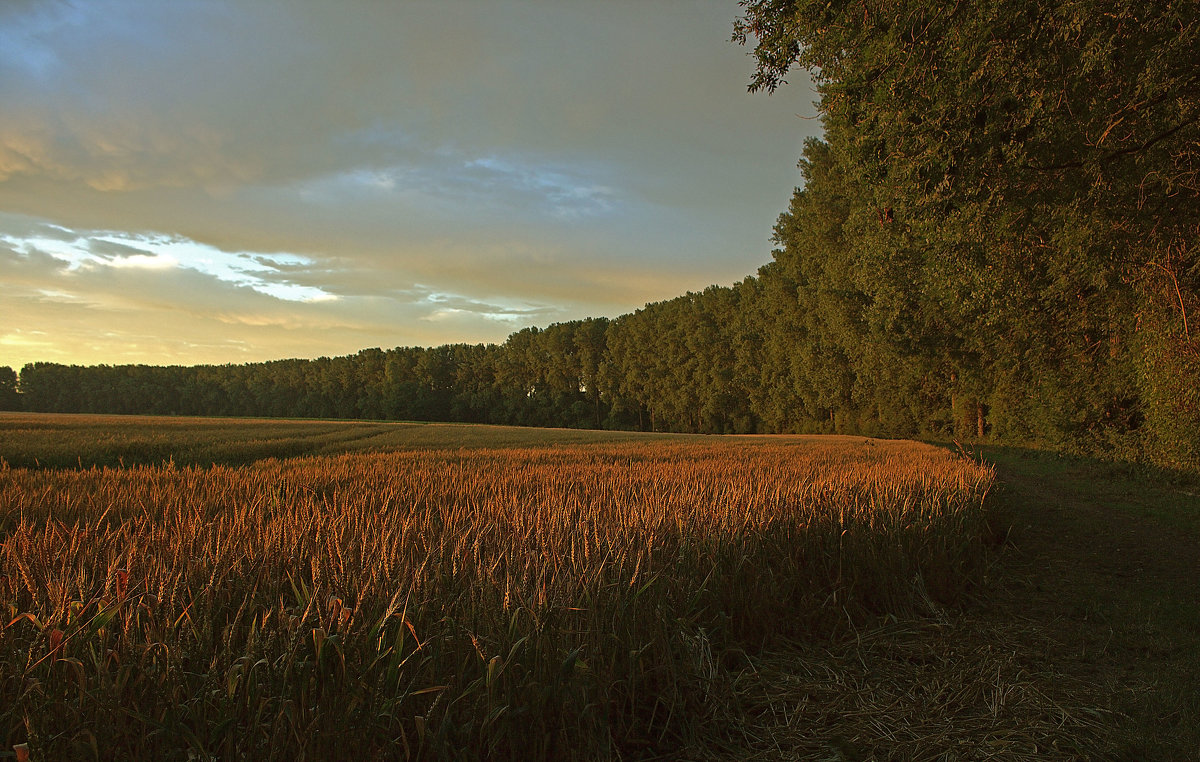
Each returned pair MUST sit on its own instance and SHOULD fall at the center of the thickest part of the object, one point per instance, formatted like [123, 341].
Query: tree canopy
[1021, 184]
[995, 238]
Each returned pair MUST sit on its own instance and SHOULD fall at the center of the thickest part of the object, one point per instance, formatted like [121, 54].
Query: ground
[1082, 643]
[1105, 567]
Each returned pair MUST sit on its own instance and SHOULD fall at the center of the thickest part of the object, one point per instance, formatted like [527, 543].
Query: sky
[208, 181]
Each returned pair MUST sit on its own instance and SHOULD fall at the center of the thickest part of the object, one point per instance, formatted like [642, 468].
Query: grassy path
[1083, 644]
[1104, 570]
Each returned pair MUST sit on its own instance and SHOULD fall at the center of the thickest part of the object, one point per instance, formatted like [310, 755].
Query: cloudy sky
[207, 182]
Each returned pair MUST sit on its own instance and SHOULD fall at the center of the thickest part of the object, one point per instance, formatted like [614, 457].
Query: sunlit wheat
[536, 602]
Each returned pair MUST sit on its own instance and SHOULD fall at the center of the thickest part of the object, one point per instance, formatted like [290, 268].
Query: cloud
[90, 252]
[447, 186]
[166, 299]
[335, 164]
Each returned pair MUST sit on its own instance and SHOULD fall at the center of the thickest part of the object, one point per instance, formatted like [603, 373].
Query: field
[82, 441]
[189, 589]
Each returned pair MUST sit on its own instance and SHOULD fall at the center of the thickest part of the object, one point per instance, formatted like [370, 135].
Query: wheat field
[574, 600]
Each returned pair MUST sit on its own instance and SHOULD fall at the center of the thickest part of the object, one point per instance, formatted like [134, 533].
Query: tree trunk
[954, 424]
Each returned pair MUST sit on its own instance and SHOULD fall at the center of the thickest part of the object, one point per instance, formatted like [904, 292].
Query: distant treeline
[998, 238]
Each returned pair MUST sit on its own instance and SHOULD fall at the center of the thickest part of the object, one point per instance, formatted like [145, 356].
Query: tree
[9, 398]
[1037, 165]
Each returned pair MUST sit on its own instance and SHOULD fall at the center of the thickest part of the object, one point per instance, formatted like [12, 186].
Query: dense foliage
[996, 238]
[1008, 193]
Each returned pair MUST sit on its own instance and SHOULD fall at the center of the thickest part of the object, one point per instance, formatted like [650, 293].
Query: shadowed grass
[1105, 567]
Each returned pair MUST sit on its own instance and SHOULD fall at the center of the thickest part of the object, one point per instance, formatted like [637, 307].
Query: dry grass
[585, 601]
[931, 690]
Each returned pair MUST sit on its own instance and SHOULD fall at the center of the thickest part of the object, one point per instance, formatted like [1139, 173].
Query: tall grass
[581, 602]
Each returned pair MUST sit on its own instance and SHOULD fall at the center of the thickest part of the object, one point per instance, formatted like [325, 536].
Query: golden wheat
[521, 602]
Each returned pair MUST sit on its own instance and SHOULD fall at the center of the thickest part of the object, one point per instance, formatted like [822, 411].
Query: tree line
[996, 238]
[1003, 213]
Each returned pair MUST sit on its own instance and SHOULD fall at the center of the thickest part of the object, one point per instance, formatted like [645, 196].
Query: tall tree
[1044, 161]
[9, 398]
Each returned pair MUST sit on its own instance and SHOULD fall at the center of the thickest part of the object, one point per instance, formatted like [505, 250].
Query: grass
[553, 595]
[1082, 642]
[54, 440]
[247, 608]
[1104, 570]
